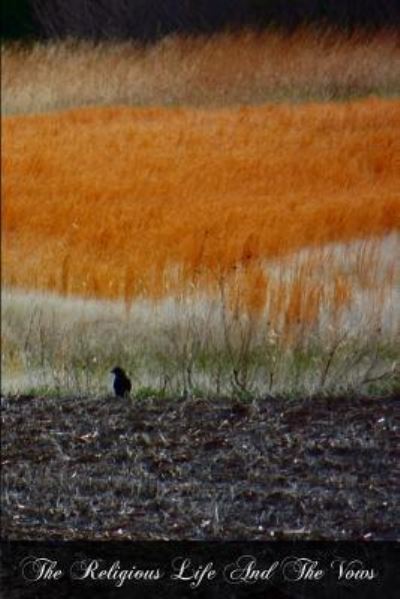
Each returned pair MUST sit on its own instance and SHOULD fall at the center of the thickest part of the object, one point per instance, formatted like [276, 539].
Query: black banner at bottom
[200, 569]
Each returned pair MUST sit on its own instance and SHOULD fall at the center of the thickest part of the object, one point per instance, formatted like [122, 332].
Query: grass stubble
[199, 469]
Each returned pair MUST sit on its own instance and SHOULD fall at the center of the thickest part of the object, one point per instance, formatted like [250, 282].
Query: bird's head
[117, 371]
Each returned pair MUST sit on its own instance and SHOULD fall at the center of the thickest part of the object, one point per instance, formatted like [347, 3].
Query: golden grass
[121, 202]
[219, 70]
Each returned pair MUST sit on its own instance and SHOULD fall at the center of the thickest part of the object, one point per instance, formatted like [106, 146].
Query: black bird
[122, 384]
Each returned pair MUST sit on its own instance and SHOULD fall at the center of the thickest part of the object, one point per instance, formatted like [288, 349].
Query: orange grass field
[122, 202]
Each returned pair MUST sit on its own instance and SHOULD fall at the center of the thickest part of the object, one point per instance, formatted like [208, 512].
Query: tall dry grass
[197, 344]
[224, 69]
[126, 202]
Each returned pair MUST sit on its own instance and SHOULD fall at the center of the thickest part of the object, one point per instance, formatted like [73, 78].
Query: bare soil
[200, 469]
